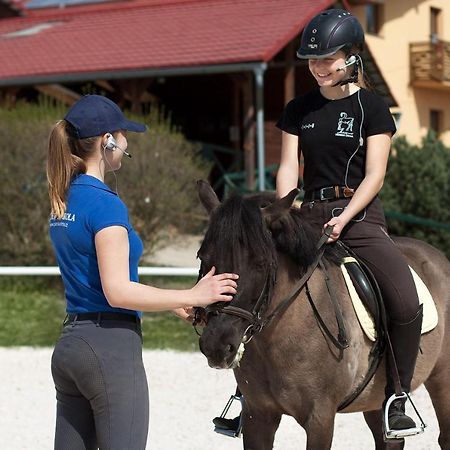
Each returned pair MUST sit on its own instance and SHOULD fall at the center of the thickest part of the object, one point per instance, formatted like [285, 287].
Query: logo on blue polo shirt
[64, 221]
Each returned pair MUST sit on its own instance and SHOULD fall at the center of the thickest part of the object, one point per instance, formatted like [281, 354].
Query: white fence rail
[53, 270]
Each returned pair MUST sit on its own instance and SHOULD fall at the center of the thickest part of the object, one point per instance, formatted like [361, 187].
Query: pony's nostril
[230, 348]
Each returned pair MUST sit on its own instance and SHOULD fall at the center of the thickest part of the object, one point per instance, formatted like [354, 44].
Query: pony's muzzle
[220, 355]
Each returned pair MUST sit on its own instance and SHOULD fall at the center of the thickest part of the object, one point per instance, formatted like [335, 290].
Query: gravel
[185, 395]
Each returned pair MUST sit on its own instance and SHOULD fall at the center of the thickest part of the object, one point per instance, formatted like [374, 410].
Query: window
[435, 24]
[374, 15]
[436, 120]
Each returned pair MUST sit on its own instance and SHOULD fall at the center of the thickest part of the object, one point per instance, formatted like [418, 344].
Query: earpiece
[110, 142]
[348, 62]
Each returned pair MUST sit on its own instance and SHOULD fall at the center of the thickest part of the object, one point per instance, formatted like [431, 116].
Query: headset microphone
[350, 61]
[111, 144]
[124, 151]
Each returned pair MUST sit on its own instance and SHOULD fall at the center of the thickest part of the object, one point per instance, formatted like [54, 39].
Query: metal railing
[53, 270]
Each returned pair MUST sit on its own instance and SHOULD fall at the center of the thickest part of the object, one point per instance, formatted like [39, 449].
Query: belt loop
[74, 320]
[66, 320]
[99, 318]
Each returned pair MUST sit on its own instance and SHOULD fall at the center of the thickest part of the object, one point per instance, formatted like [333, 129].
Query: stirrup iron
[400, 434]
[231, 433]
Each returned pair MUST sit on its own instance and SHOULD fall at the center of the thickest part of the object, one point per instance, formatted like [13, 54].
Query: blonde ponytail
[65, 159]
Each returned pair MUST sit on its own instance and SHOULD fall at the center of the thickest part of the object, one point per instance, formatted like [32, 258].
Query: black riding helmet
[328, 32]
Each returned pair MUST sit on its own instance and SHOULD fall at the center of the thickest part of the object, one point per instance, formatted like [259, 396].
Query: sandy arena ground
[185, 395]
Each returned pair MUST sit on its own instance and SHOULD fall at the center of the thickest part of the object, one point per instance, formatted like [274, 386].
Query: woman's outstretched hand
[186, 314]
[214, 288]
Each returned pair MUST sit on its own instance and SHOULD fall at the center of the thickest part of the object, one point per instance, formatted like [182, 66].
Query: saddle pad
[430, 315]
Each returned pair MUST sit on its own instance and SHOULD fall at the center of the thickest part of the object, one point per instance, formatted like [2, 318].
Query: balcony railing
[430, 64]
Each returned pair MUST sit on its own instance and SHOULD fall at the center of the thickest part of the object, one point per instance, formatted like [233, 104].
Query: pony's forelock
[238, 224]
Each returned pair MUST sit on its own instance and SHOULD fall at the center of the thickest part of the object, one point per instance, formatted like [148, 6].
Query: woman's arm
[112, 254]
[287, 176]
[378, 148]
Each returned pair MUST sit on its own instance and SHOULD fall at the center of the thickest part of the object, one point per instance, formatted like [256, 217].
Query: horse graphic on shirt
[345, 125]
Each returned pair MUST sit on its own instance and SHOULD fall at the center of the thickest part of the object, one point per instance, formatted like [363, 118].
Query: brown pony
[290, 365]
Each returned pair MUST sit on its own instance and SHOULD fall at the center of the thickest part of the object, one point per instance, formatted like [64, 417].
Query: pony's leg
[258, 429]
[438, 387]
[319, 429]
[374, 421]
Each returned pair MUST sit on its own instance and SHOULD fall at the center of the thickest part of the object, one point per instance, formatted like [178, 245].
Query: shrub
[158, 184]
[418, 183]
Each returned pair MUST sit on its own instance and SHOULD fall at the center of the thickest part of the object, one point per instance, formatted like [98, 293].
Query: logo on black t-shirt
[345, 126]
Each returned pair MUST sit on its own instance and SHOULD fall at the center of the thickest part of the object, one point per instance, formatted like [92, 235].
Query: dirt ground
[185, 395]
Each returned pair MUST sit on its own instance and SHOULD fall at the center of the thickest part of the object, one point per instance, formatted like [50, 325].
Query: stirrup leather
[231, 433]
[400, 434]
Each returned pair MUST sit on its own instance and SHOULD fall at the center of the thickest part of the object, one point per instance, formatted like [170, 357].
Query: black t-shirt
[328, 132]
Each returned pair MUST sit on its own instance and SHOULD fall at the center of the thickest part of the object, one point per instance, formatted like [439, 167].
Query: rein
[258, 323]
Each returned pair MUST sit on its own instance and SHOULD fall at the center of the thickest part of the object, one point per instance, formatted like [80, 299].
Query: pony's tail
[62, 165]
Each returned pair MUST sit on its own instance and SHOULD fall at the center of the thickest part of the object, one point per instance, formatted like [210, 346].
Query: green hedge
[157, 184]
[418, 184]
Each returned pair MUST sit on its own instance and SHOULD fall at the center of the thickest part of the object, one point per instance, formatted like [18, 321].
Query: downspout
[259, 85]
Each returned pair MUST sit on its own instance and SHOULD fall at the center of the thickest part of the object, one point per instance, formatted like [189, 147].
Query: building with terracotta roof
[223, 68]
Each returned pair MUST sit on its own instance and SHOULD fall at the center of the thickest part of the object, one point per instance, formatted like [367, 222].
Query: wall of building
[405, 22]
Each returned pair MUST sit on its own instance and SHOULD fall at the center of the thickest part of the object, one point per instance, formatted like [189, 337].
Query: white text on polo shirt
[67, 217]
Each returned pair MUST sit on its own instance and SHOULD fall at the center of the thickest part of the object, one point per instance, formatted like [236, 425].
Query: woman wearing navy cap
[101, 386]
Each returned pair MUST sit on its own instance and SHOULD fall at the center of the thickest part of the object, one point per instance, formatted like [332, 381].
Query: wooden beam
[105, 84]
[134, 91]
[8, 97]
[58, 92]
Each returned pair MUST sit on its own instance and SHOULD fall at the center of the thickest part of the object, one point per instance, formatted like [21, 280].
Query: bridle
[255, 318]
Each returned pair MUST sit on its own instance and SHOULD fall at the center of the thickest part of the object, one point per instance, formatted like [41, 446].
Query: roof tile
[137, 34]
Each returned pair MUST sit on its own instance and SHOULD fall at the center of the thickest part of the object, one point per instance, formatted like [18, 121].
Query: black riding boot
[405, 339]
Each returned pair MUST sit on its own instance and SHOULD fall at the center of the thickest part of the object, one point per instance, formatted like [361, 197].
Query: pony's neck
[288, 274]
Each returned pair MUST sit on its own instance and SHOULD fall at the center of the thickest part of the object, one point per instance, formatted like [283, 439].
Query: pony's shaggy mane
[239, 223]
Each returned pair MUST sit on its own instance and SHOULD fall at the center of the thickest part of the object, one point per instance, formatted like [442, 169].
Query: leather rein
[258, 322]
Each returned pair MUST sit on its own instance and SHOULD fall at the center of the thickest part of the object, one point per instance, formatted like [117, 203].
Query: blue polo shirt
[91, 206]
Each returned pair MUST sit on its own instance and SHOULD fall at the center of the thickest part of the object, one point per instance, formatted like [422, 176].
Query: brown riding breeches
[366, 235]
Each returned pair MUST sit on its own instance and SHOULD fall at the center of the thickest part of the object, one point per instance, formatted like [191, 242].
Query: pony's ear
[279, 207]
[207, 196]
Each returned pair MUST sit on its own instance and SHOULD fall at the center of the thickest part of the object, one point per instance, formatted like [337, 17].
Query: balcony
[430, 64]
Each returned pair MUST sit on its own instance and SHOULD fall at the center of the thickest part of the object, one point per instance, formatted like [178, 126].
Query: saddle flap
[364, 300]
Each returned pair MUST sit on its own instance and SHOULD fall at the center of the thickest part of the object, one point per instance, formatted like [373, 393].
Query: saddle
[370, 310]
[368, 306]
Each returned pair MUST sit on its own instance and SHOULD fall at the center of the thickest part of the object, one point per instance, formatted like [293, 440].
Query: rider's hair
[65, 159]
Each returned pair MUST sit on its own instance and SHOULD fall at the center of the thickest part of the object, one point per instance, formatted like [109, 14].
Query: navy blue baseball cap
[94, 115]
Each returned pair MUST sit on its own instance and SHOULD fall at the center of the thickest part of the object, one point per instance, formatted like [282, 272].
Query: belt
[329, 193]
[100, 316]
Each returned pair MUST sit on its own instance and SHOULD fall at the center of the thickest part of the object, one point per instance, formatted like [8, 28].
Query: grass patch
[32, 310]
